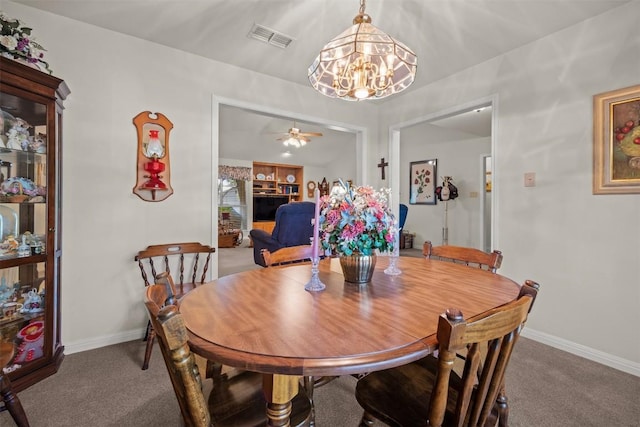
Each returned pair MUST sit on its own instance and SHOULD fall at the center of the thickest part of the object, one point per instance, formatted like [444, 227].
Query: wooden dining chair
[8, 397]
[173, 259]
[472, 257]
[429, 392]
[285, 256]
[236, 398]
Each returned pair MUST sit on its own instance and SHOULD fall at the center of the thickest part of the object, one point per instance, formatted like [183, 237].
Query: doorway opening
[243, 132]
[424, 138]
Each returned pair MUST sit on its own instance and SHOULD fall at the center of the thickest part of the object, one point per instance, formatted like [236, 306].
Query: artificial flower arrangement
[356, 220]
[17, 43]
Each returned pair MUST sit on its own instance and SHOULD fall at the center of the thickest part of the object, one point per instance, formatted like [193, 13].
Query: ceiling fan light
[296, 138]
[291, 141]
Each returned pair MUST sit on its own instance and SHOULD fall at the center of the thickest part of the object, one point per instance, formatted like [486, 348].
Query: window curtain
[239, 173]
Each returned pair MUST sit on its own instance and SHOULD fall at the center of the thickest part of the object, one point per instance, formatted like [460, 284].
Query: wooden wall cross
[382, 165]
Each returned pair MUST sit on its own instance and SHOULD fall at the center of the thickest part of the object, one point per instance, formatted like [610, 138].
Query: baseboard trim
[98, 342]
[598, 356]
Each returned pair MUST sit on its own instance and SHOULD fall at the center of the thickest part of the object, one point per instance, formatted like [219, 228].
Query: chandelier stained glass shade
[363, 63]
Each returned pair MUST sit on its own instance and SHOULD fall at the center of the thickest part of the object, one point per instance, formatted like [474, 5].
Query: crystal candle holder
[314, 284]
[393, 270]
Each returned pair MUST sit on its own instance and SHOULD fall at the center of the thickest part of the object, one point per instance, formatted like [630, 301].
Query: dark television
[264, 208]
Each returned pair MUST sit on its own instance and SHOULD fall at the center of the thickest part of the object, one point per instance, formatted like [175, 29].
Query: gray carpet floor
[106, 387]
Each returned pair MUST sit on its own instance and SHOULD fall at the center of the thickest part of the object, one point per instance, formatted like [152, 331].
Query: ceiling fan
[295, 138]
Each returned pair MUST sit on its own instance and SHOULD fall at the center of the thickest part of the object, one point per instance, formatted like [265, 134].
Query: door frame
[485, 247]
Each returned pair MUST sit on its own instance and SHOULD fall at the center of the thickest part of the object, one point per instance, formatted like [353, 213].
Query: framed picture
[616, 141]
[422, 182]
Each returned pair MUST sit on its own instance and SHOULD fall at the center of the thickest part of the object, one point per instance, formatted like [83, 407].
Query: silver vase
[358, 268]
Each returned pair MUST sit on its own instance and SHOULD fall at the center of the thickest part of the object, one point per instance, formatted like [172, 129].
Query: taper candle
[316, 234]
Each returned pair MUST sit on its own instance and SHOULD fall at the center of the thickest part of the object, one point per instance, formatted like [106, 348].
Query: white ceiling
[446, 35]
[475, 123]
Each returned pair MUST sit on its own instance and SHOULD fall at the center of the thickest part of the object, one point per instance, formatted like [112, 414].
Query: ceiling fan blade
[295, 133]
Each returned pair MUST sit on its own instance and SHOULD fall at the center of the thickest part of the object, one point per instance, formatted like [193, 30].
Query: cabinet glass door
[23, 227]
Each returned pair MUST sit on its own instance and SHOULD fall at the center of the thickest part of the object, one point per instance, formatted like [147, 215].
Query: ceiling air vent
[270, 36]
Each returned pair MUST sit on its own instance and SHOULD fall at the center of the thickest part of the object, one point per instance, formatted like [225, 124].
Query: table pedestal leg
[279, 390]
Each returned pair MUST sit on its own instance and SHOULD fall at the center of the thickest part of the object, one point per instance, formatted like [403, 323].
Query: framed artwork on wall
[616, 141]
[422, 188]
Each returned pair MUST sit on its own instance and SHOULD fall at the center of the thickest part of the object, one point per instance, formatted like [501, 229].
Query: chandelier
[363, 63]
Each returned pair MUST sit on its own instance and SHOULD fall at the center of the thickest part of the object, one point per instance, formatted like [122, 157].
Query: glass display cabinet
[30, 217]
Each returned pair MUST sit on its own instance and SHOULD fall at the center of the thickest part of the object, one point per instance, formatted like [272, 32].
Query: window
[232, 200]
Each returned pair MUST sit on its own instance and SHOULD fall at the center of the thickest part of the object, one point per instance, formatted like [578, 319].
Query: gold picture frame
[616, 141]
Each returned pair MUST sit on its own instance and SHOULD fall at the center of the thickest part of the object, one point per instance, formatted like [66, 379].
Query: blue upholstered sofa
[293, 227]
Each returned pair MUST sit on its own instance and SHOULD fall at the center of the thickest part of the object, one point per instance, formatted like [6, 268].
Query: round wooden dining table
[264, 320]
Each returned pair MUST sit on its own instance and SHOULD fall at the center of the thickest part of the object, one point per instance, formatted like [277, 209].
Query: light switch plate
[530, 179]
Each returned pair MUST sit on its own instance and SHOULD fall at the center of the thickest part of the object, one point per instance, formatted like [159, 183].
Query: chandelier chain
[362, 6]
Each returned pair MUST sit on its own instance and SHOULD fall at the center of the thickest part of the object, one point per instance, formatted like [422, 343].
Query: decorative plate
[32, 331]
[260, 176]
[291, 178]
